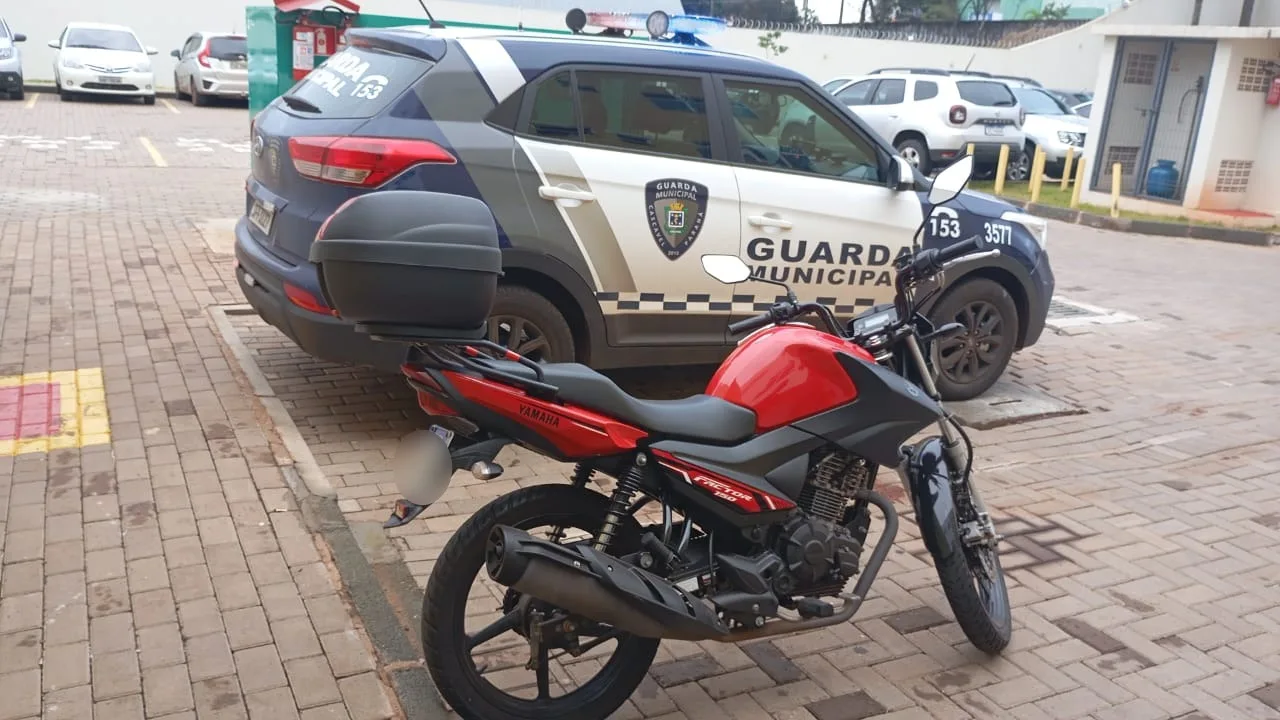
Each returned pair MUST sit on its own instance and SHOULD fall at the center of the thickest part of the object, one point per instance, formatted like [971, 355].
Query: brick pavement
[1143, 536]
[165, 571]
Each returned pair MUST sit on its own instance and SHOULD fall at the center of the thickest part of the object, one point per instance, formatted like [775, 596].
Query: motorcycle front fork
[979, 530]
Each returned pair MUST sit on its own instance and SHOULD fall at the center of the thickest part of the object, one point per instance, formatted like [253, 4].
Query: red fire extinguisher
[1273, 95]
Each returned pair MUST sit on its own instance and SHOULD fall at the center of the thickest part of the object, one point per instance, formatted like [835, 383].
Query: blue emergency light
[660, 26]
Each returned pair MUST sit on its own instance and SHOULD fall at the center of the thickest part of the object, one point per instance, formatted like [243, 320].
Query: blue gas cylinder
[1162, 180]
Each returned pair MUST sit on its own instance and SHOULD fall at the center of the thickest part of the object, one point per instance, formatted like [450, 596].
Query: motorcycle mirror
[728, 269]
[951, 182]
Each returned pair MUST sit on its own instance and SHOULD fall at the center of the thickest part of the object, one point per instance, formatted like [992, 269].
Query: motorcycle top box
[411, 265]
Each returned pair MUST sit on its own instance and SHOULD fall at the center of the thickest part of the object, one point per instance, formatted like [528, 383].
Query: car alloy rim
[519, 335]
[973, 354]
[1020, 169]
[911, 155]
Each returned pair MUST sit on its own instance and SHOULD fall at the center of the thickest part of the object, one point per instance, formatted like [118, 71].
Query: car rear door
[884, 107]
[634, 174]
[821, 218]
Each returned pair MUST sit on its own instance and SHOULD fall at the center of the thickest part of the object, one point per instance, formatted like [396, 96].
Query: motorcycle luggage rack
[464, 355]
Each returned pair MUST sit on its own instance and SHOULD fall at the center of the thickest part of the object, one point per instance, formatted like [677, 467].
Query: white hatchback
[102, 60]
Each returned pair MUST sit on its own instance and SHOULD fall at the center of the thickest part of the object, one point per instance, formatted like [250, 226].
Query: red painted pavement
[30, 411]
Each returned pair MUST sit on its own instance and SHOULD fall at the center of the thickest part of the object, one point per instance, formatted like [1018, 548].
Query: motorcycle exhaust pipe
[598, 586]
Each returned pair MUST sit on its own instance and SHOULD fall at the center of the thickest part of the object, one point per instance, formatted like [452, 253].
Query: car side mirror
[176, 54]
[54, 44]
[152, 51]
[904, 176]
[19, 37]
[951, 182]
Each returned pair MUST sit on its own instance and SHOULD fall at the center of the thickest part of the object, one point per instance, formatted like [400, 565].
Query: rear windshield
[228, 48]
[100, 39]
[355, 83]
[986, 92]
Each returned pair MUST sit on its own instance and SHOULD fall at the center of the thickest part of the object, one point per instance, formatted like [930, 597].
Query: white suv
[1051, 126]
[932, 116]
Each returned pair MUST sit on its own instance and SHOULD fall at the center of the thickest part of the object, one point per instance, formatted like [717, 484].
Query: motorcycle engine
[820, 552]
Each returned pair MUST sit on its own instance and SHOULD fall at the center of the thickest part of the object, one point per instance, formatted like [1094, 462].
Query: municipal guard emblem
[676, 211]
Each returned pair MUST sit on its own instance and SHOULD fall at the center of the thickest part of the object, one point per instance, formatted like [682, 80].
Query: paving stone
[365, 697]
[160, 645]
[259, 668]
[347, 653]
[21, 693]
[115, 675]
[65, 666]
[125, 708]
[209, 656]
[167, 690]
[854, 706]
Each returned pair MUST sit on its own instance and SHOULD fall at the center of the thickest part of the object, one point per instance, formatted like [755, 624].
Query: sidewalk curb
[1238, 236]
[375, 579]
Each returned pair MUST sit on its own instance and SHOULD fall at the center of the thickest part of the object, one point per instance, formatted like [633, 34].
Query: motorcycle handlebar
[960, 249]
[751, 323]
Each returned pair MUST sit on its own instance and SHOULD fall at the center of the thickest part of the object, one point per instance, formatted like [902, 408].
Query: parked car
[212, 65]
[1083, 109]
[1071, 98]
[1051, 126]
[10, 61]
[611, 167]
[932, 116]
[99, 59]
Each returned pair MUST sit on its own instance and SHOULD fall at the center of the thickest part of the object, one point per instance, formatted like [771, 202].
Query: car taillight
[958, 114]
[365, 162]
[202, 57]
[307, 301]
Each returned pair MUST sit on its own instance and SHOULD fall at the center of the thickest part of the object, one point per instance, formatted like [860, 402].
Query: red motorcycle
[762, 486]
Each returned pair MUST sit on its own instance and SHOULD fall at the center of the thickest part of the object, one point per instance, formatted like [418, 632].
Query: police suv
[611, 166]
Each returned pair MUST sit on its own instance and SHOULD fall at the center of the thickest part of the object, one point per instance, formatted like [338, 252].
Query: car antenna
[434, 24]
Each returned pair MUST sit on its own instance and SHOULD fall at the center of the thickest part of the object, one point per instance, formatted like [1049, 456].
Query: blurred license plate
[995, 129]
[109, 80]
[444, 433]
[262, 215]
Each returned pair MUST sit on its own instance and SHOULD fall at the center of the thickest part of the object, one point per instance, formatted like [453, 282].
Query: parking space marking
[172, 108]
[156, 157]
[45, 411]
[206, 145]
[31, 102]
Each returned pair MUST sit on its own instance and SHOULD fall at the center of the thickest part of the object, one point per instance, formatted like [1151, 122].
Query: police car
[611, 166]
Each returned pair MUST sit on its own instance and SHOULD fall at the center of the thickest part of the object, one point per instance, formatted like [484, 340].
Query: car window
[644, 111]
[355, 83]
[190, 46]
[100, 39]
[552, 115]
[786, 128]
[1039, 102]
[925, 90]
[890, 92]
[986, 92]
[831, 85]
[858, 93]
[4, 29]
[228, 48]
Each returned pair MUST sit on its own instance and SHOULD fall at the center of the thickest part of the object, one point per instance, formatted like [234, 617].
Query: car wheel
[177, 89]
[527, 323]
[917, 153]
[20, 93]
[968, 364]
[1019, 169]
[149, 100]
[197, 98]
[65, 95]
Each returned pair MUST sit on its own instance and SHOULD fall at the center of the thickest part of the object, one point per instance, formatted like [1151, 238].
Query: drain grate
[1064, 313]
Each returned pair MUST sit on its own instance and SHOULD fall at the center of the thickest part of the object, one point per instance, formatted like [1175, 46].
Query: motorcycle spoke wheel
[477, 633]
[974, 584]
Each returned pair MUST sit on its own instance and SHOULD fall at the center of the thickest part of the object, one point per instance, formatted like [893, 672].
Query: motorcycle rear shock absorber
[620, 502]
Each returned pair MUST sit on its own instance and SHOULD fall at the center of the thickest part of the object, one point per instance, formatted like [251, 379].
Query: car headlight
[6, 53]
[1038, 227]
[72, 64]
[144, 66]
[1072, 138]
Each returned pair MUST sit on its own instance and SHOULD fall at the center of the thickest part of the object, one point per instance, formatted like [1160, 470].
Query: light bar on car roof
[657, 24]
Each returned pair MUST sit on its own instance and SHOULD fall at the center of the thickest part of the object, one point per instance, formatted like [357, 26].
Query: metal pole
[1195, 12]
[1246, 14]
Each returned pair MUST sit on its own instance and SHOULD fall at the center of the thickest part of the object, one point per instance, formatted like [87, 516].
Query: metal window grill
[1126, 155]
[1140, 68]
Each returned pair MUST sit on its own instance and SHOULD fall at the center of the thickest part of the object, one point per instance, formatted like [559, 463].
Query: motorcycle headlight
[71, 64]
[1072, 138]
[1038, 227]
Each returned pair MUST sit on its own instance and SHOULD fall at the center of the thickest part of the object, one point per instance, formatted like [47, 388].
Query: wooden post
[1075, 191]
[1002, 167]
[1115, 190]
[1037, 174]
[1066, 168]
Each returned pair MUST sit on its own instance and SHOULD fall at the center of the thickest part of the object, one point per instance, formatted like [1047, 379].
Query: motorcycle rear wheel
[444, 613]
[974, 584]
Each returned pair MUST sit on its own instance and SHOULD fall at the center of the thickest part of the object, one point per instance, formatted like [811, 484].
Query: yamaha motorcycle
[737, 514]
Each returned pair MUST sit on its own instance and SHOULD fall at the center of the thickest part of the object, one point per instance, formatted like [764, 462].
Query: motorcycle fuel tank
[786, 373]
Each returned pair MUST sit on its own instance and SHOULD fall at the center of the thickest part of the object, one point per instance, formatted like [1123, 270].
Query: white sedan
[103, 60]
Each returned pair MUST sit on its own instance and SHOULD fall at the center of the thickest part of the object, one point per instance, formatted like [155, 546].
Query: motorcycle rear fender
[925, 472]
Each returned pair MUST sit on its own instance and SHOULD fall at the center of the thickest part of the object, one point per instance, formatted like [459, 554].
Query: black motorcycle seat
[698, 417]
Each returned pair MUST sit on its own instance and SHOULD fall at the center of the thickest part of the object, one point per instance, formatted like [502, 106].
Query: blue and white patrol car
[611, 166]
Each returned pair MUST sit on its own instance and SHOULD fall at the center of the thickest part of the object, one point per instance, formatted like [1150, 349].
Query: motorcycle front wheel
[974, 584]
[499, 687]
